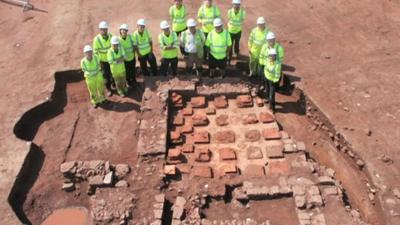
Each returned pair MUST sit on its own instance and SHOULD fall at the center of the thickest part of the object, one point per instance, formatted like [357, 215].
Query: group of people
[111, 60]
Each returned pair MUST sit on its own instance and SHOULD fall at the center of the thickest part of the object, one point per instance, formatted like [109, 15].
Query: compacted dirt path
[345, 53]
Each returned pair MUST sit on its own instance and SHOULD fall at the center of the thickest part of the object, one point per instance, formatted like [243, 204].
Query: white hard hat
[103, 25]
[164, 24]
[124, 27]
[272, 51]
[218, 22]
[235, 1]
[270, 36]
[141, 22]
[114, 40]
[260, 20]
[87, 48]
[191, 23]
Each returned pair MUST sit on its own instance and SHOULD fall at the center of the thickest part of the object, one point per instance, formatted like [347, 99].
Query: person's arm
[200, 15]
[176, 41]
[262, 57]
[251, 39]
[229, 43]
[95, 46]
[281, 52]
[110, 58]
[171, 13]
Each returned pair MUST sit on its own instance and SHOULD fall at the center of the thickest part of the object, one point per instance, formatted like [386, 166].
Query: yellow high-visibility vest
[117, 68]
[171, 40]
[128, 44]
[101, 46]
[206, 17]
[219, 43]
[236, 20]
[142, 41]
[91, 68]
[178, 18]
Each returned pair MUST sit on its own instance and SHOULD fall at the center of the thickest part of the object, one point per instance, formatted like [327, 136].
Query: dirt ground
[345, 53]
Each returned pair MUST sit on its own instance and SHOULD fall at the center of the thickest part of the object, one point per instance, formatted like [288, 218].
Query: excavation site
[93, 133]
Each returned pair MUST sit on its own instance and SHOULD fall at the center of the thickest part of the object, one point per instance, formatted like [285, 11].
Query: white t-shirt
[190, 46]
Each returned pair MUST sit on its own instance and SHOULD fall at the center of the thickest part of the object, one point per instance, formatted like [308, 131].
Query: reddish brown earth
[345, 53]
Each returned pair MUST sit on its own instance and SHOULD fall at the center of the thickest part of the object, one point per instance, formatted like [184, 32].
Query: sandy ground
[344, 52]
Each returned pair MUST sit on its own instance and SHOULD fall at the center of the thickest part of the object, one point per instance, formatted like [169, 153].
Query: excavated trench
[26, 129]
[295, 106]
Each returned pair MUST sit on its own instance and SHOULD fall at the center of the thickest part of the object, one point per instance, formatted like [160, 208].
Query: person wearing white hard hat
[272, 73]
[264, 53]
[169, 44]
[236, 17]
[192, 41]
[129, 45]
[206, 15]
[255, 43]
[101, 45]
[144, 49]
[218, 45]
[91, 68]
[116, 57]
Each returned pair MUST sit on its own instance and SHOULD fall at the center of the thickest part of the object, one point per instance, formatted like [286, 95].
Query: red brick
[252, 135]
[187, 111]
[222, 120]
[225, 137]
[175, 137]
[275, 150]
[266, 117]
[227, 154]
[250, 119]
[229, 169]
[254, 152]
[259, 102]
[170, 169]
[201, 137]
[187, 148]
[174, 153]
[203, 154]
[178, 120]
[184, 168]
[202, 171]
[198, 102]
[177, 99]
[200, 119]
[254, 171]
[210, 110]
[279, 167]
[244, 101]
[187, 128]
[271, 134]
[220, 102]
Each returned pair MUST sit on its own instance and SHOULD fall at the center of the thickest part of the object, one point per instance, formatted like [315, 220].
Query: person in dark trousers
[169, 44]
[236, 17]
[144, 43]
[272, 73]
[101, 45]
[129, 46]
